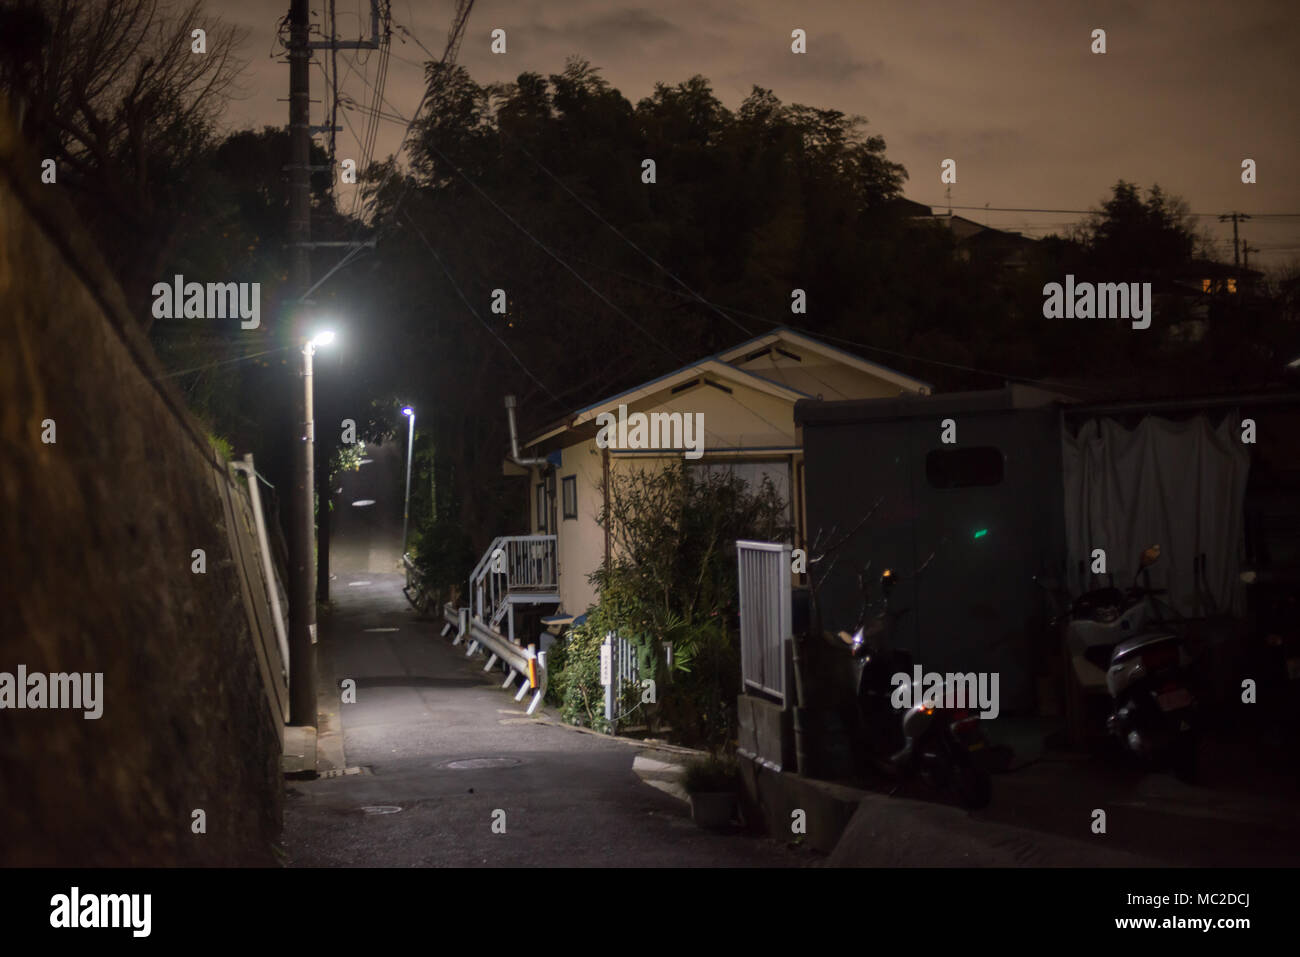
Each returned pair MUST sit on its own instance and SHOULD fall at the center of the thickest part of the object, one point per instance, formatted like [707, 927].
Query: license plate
[1293, 667]
[1173, 700]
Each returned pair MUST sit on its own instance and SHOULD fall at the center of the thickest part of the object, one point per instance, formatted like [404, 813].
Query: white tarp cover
[1178, 484]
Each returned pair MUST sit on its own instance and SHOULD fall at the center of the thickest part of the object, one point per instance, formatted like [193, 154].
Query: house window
[753, 474]
[569, 487]
[964, 468]
[541, 508]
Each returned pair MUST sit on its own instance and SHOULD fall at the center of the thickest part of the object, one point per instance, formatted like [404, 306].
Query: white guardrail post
[526, 663]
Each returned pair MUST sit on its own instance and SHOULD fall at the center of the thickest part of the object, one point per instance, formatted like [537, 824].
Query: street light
[302, 601]
[410, 444]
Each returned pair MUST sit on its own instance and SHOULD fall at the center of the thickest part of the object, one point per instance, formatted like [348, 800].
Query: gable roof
[786, 334]
[723, 366]
[684, 374]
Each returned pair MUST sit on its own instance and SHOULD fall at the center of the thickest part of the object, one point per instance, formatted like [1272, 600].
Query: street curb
[329, 720]
[900, 832]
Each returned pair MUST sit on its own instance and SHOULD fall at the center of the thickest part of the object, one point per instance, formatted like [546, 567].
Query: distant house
[976, 242]
[746, 397]
[1200, 285]
[979, 243]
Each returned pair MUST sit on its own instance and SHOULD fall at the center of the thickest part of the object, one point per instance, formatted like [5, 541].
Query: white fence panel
[765, 617]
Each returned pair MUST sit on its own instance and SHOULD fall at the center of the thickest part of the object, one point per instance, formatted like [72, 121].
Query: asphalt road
[566, 798]
[533, 795]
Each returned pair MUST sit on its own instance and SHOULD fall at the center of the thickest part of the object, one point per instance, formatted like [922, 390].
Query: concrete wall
[976, 607]
[96, 534]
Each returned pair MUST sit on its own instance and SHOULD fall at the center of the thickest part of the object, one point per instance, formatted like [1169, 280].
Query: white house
[743, 398]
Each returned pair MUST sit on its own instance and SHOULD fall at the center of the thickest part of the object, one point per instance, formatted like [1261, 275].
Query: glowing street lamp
[410, 444]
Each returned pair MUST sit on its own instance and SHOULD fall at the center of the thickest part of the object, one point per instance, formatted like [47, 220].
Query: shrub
[574, 684]
[674, 583]
[442, 554]
[712, 773]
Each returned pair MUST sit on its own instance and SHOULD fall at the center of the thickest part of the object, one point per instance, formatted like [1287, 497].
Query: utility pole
[302, 524]
[323, 491]
[1236, 252]
[1246, 250]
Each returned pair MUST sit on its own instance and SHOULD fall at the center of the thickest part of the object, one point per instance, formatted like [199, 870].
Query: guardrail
[414, 589]
[526, 664]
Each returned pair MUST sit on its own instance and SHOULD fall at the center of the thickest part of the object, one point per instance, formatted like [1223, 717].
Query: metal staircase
[515, 569]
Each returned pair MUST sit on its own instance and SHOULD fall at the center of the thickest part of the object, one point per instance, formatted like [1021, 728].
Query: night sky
[1010, 90]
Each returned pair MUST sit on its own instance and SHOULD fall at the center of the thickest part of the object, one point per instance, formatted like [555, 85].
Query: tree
[1154, 237]
[673, 581]
[112, 91]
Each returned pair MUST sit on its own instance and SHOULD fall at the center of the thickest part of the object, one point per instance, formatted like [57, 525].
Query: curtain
[1178, 484]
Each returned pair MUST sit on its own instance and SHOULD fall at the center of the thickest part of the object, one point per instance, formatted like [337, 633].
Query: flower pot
[713, 808]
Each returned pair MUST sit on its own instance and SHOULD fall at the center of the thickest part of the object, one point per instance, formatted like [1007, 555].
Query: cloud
[970, 144]
[606, 32]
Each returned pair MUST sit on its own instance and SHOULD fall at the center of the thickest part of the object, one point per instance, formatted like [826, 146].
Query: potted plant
[712, 783]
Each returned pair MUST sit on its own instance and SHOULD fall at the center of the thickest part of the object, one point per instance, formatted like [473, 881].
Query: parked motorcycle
[1122, 640]
[941, 745]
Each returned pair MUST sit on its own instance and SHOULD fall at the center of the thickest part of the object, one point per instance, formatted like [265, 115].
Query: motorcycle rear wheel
[1184, 757]
[973, 784]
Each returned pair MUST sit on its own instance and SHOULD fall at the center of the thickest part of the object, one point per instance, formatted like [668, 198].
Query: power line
[474, 312]
[658, 265]
[695, 297]
[1080, 212]
[822, 335]
[550, 252]
[462, 16]
[222, 362]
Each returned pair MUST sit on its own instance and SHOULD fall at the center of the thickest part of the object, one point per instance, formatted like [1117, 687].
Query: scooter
[939, 744]
[1121, 640]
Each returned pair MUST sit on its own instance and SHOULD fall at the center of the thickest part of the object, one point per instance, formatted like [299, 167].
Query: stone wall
[96, 535]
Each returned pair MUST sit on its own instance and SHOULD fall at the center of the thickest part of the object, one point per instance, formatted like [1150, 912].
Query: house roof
[786, 334]
[911, 207]
[684, 374]
[723, 366]
[1008, 398]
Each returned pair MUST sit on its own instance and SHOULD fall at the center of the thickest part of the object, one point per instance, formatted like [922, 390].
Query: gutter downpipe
[514, 439]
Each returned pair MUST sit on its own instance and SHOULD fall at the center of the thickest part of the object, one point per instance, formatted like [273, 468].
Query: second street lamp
[410, 444]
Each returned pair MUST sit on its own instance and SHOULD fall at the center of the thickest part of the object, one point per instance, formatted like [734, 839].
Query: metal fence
[765, 617]
[618, 669]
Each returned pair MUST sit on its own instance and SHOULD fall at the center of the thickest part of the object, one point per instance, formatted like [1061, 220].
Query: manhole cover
[381, 809]
[474, 764]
